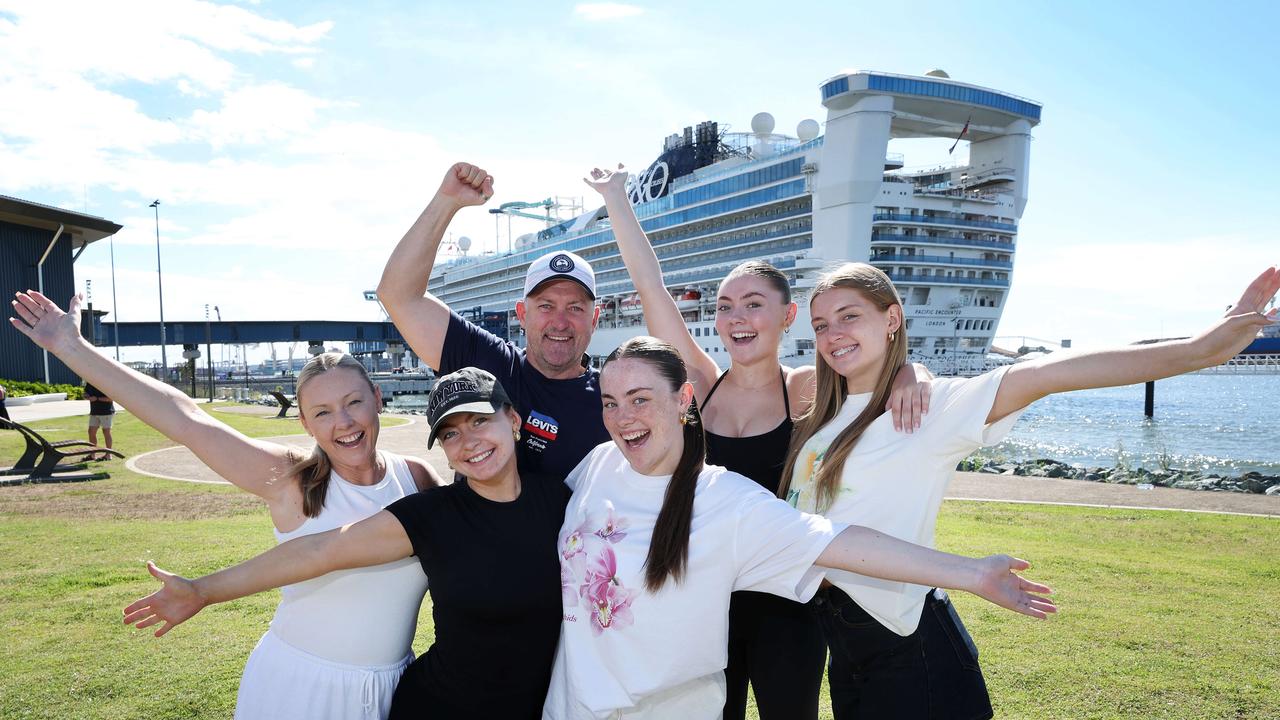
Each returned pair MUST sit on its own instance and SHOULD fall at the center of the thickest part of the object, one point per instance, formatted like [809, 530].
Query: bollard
[1149, 405]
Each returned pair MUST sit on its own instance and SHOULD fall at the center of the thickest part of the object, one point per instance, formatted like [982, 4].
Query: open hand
[40, 319]
[172, 604]
[1243, 320]
[466, 184]
[1000, 583]
[608, 181]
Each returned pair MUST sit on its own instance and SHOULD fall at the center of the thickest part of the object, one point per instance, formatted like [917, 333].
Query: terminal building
[39, 246]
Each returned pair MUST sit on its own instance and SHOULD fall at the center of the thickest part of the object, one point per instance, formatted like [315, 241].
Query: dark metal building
[39, 245]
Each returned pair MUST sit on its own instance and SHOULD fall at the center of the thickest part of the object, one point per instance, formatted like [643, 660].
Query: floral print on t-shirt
[589, 573]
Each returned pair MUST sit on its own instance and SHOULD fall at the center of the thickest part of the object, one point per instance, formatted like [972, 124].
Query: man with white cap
[550, 382]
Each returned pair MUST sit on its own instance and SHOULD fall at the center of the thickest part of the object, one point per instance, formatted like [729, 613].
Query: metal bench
[42, 459]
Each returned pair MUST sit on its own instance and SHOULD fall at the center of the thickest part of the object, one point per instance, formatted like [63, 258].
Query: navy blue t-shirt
[562, 421]
[495, 598]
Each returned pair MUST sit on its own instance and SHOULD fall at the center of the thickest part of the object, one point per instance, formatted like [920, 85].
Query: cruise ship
[945, 235]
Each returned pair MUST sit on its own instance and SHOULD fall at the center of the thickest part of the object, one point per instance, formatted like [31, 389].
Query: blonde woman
[337, 646]
[898, 649]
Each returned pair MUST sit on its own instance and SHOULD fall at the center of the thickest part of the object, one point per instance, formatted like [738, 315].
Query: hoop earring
[891, 336]
[787, 330]
[516, 434]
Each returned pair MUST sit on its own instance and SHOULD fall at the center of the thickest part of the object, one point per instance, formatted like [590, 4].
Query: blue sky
[291, 143]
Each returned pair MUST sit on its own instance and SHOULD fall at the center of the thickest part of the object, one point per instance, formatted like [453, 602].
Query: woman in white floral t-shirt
[654, 542]
[898, 650]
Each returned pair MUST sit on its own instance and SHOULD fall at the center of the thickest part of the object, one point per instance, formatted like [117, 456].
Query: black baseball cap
[468, 390]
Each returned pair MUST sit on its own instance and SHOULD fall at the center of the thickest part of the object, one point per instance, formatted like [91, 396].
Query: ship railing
[942, 240]
[946, 280]
[943, 220]
[941, 260]
[695, 176]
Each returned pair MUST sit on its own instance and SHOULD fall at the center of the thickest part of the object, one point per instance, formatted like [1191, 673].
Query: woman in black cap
[487, 543]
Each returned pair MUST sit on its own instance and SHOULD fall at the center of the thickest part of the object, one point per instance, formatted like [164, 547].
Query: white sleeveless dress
[338, 643]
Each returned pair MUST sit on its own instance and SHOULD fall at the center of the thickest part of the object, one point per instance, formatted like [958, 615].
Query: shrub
[19, 388]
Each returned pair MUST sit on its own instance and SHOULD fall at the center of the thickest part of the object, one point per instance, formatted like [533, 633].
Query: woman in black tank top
[774, 644]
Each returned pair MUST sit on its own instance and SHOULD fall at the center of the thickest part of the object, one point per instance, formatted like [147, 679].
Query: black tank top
[759, 457]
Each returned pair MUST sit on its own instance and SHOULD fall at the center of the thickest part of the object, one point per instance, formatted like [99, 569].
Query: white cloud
[596, 12]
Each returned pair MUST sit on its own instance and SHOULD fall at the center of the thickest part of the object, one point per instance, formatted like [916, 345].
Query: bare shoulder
[802, 385]
[424, 476]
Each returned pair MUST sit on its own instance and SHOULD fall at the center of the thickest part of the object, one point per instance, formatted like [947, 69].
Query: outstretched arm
[373, 541]
[420, 316]
[660, 312]
[1025, 383]
[868, 552]
[252, 465]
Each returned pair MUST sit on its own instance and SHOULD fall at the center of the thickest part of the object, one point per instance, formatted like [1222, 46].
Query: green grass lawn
[1164, 614]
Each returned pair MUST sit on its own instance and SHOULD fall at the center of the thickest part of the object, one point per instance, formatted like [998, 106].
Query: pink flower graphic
[574, 543]
[601, 570]
[610, 606]
[613, 528]
[568, 595]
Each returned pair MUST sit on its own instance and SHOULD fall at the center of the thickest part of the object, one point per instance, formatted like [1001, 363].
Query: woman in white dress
[336, 646]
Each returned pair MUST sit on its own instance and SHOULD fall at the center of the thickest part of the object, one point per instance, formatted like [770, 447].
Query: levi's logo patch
[541, 425]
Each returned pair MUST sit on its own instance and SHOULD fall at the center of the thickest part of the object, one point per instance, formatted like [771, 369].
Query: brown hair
[313, 470]
[770, 274]
[669, 546]
[876, 287]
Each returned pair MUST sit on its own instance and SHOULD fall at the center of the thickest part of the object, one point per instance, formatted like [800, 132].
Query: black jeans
[931, 674]
[777, 645]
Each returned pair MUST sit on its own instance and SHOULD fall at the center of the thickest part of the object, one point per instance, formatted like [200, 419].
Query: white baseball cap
[560, 264]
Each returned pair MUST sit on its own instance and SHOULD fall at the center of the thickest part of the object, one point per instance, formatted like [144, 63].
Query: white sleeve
[580, 470]
[957, 418]
[776, 546]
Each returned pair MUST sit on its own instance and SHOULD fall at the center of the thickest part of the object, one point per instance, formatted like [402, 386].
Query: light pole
[164, 361]
[115, 306]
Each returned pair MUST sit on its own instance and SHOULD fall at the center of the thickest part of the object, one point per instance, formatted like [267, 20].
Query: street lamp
[164, 361]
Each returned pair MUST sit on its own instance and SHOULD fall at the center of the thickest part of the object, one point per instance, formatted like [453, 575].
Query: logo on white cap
[562, 263]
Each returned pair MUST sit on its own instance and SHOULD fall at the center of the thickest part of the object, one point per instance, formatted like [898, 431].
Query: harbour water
[1214, 423]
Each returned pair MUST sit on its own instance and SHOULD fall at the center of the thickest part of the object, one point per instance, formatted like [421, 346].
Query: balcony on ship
[943, 220]
[940, 260]
[953, 240]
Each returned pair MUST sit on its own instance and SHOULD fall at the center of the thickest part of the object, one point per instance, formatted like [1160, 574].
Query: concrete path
[179, 464]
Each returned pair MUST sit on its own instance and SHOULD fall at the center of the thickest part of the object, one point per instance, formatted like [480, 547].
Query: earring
[891, 336]
[516, 434]
[787, 330]
[684, 419]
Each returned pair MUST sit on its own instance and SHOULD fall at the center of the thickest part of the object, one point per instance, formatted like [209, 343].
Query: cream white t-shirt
[894, 482]
[627, 653]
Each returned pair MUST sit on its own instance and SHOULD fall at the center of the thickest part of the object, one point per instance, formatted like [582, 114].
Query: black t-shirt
[98, 407]
[494, 579]
[562, 421]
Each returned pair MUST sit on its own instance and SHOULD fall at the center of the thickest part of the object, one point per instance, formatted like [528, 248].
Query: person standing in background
[4, 412]
[101, 411]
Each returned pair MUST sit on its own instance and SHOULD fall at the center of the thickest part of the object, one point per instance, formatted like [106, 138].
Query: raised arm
[868, 552]
[420, 316]
[373, 541]
[1025, 383]
[253, 465]
[660, 312]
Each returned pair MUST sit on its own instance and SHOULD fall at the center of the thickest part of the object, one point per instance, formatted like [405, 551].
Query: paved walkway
[179, 464]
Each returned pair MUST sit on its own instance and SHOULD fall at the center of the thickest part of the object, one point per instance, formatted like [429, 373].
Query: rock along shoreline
[1250, 482]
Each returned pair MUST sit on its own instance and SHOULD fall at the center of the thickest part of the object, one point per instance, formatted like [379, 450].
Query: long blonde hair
[313, 470]
[876, 287]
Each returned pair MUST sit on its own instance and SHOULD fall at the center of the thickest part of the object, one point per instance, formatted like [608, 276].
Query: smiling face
[852, 335]
[642, 414]
[340, 410]
[751, 316]
[480, 446]
[558, 318]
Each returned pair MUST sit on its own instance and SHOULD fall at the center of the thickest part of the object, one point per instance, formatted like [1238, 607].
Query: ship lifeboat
[686, 299]
[630, 305]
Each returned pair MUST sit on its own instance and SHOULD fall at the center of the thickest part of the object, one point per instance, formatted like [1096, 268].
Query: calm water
[1219, 423]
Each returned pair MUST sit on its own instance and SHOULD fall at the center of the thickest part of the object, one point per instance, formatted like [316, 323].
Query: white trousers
[281, 682]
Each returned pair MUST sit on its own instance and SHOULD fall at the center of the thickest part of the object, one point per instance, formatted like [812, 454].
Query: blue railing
[800, 243]
[941, 260]
[944, 280]
[934, 219]
[943, 240]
